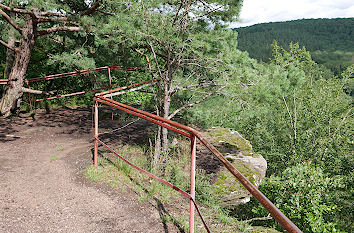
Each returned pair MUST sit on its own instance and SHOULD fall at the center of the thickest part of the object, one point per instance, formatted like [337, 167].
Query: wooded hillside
[330, 41]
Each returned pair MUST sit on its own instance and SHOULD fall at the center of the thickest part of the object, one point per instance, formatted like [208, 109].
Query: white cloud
[263, 11]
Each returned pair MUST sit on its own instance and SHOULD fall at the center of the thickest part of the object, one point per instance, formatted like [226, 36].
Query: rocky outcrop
[239, 152]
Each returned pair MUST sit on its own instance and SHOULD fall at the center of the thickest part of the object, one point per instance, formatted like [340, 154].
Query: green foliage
[53, 157]
[291, 114]
[348, 76]
[301, 193]
[182, 49]
[330, 41]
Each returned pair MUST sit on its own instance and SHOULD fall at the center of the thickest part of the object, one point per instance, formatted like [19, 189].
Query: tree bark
[157, 153]
[13, 90]
[166, 112]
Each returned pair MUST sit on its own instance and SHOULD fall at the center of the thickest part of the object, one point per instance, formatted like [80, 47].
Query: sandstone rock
[239, 152]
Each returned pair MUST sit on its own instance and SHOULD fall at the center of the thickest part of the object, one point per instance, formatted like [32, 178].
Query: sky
[264, 11]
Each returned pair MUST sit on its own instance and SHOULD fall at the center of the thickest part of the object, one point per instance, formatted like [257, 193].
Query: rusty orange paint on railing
[174, 126]
[192, 133]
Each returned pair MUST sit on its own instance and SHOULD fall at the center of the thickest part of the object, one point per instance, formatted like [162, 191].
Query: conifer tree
[32, 20]
[184, 44]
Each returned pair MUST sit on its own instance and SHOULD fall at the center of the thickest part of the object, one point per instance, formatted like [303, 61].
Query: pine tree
[31, 21]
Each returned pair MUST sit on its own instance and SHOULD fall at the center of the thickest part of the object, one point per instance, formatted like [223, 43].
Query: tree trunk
[161, 142]
[166, 112]
[157, 153]
[13, 91]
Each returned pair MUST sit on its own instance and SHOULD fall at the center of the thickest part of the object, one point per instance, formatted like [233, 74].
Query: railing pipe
[3, 81]
[126, 87]
[266, 203]
[71, 94]
[104, 100]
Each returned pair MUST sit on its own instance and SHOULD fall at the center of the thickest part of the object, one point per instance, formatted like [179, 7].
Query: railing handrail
[77, 72]
[189, 132]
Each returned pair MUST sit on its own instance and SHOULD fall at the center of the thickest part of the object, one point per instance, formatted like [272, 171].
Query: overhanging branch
[8, 46]
[194, 103]
[104, 12]
[58, 29]
[15, 10]
[23, 11]
[196, 85]
[10, 21]
[48, 19]
[92, 9]
[146, 57]
[38, 92]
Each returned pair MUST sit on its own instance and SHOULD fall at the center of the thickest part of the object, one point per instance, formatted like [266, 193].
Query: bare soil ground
[43, 189]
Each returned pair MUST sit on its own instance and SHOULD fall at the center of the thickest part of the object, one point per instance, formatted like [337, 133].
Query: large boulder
[239, 152]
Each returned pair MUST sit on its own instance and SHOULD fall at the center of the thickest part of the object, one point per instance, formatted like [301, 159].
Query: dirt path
[43, 190]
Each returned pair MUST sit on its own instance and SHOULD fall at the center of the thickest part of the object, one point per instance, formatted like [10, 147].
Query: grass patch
[118, 174]
[53, 158]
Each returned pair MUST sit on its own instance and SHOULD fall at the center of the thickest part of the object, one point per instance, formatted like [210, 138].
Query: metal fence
[106, 98]
[32, 99]
[193, 135]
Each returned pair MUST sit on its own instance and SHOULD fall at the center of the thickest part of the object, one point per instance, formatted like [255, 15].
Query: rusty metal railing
[3, 81]
[193, 135]
[32, 100]
[106, 98]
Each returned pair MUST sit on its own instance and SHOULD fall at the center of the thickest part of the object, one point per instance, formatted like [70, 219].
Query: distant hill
[330, 41]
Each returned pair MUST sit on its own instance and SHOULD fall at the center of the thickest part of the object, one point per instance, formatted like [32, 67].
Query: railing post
[96, 135]
[192, 187]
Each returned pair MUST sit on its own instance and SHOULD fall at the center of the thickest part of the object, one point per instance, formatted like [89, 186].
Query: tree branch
[104, 12]
[194, 103]
[8, 46]
[146, 57]
[15, 10]
[10, 21]
[197, 85]
[38, 92]
[129, 90]
[57, 41]
[342, 121]
[43, 51]
[157, 63]
[45, 13]
[48, 19]
[57, 29]
[177, 13]
[92, 9]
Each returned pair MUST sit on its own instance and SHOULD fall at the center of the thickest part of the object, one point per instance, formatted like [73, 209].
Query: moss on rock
[239, 152]
[230, 138]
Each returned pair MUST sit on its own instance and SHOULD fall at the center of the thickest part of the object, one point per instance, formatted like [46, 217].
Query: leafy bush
[301, 193]
[291, 114]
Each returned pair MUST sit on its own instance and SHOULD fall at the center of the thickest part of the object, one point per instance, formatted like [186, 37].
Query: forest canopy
[330, 41]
